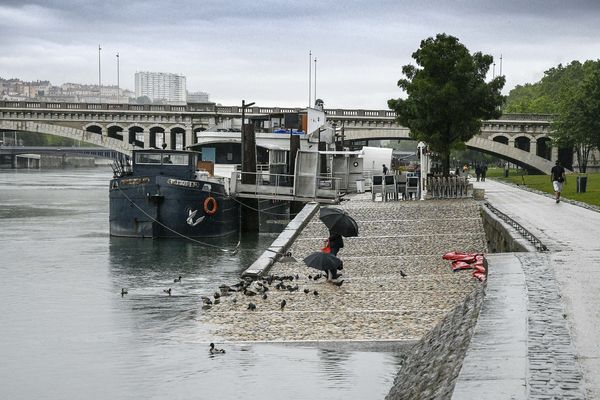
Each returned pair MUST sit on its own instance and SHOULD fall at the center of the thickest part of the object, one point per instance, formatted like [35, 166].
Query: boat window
[175, 159]
[277, 156]
[147, 158]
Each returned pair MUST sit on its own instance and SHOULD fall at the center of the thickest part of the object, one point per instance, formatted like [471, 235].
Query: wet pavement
[375, 302]
[562, 297]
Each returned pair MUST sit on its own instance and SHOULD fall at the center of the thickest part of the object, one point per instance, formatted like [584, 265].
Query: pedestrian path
[562, 295]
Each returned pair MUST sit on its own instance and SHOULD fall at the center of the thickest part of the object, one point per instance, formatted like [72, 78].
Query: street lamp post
[421, 146]
[99, 76]
[118, 85]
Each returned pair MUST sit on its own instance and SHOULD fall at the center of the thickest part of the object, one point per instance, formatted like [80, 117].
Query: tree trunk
[446, 162]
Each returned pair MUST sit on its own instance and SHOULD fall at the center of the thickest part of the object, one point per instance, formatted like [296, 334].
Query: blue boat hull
[159, 206]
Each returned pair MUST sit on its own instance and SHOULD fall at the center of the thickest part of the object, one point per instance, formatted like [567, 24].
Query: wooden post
[249, 212]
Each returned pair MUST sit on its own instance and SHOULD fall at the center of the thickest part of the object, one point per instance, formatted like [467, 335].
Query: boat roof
[164, 151]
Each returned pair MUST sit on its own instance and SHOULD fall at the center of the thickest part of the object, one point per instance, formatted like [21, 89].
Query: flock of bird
[251, 288]
[259, 288]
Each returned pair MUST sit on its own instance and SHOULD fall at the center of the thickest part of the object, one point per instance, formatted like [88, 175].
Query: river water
[66, 332]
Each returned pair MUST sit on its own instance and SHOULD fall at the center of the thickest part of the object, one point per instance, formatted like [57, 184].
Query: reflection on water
[67, 331]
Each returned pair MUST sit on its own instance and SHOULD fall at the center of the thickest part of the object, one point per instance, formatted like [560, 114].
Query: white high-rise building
[161, 86]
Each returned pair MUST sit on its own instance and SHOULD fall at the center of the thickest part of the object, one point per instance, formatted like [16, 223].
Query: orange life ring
[210, 206]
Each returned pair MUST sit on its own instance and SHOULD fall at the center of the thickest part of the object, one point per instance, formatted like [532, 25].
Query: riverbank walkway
[537, 333]
[396, 287]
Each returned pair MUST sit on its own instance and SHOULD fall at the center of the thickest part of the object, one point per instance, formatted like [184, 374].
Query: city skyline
[260, 51]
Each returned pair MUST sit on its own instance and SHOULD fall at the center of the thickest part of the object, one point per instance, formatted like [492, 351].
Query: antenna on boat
[315, 79]
[309, 77]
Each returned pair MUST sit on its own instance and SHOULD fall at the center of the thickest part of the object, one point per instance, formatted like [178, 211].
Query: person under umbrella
[324, 262]
[338, 221]
[336, 242]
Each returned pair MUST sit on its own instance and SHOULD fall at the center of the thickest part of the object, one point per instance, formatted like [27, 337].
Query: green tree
[578, 124]
[557, 86]
[143, 100]
[447, 95]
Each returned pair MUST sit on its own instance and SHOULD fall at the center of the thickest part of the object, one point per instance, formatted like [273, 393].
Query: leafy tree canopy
[578, 124]
[447, 95]
[552, 92]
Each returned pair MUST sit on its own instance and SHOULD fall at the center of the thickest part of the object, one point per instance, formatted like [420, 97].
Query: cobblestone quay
[375, 302]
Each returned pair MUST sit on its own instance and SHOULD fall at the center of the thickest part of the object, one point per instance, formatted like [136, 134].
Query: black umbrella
[323, 261]
[338, 221]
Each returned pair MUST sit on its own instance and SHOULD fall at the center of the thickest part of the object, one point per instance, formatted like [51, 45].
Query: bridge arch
[135, 135]
[67, 132]
[544, 147]
[115, 131]
[500, 138]
[177, 134]
[157, 136]
[94, 128]
[512, 154]
[523, 143]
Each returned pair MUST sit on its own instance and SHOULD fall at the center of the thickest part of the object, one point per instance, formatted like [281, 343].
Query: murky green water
[67, 333]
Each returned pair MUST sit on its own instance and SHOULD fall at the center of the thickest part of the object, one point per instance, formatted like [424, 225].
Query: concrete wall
[433, 364]
[501, 237]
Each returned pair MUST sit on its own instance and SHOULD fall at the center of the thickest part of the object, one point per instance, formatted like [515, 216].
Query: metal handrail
[524, 232]
[284, 180]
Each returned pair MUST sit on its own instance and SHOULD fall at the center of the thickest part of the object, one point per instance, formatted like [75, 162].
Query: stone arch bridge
[519, 138]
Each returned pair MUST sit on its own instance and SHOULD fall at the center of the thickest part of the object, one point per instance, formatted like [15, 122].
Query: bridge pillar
[146, 138]
[168, 141]
[511, 142]
[554, 154]
[533, 147]
[189, 138]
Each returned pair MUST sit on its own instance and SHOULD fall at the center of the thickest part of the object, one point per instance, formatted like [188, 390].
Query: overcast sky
[258, 50]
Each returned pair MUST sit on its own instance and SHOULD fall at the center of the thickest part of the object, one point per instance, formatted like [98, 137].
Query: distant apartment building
[161, 86]
[197, 97]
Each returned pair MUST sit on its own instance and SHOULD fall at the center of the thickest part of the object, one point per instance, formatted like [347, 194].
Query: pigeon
[307, 291]
[214, 350]
[252, 307]
[402, 274]
[123, 292]
[177, 279]
[217, 295]
[283, 303]
[264, 296]
[206, 300]
[316, 293]
[167, 291]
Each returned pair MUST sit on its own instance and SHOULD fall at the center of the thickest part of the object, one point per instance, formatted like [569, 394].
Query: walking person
[483, 172]
[478, 172]
[385, 169]
[558, 179]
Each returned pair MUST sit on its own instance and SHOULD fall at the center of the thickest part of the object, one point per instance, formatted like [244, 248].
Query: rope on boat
[224, 249]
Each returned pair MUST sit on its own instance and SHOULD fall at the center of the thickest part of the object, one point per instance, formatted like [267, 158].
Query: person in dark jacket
[336, 242]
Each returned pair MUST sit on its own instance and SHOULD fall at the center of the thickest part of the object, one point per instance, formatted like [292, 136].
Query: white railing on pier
[266, 185]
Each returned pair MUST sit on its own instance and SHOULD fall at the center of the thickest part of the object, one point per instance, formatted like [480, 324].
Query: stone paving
[552, 358]
[562, 294]
[375, 303]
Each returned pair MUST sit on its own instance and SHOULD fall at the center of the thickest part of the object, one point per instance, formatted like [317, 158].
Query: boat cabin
[175, 163]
